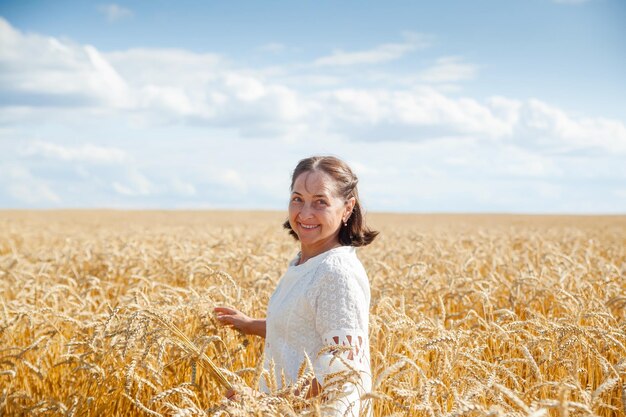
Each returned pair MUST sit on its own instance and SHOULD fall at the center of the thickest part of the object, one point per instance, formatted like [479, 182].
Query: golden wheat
[110, 313]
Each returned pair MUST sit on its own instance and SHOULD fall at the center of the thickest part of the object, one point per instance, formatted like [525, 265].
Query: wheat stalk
[188, 345]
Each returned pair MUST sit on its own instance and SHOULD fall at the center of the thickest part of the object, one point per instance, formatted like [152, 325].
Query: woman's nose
[306, 211]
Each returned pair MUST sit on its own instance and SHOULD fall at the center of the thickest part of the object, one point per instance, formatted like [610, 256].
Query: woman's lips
[308, 226]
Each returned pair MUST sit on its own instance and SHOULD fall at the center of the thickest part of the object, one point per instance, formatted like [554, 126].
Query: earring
[345, 223]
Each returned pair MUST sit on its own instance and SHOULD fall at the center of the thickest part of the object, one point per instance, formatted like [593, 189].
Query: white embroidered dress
[325, 301]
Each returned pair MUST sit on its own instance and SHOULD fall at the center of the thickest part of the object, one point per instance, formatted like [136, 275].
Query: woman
[323, 298]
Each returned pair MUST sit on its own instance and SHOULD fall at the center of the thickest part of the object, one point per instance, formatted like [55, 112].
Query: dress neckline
[315, 260]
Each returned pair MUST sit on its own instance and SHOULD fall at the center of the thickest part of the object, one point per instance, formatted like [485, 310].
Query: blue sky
[453, 106]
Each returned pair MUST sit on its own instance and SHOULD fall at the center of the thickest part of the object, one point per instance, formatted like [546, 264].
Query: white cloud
[505, 108]
[25, 188]
[135, 184]
[33, 192]
[382, 53]
[183, 188]
[160, 85]
[273, 48]
[106, 77]
[312, 80]
[83, 153]
[425, 113]
[169, 99]
[245, 88]
[419, 108]
[512, 162]
[549, 127]
[392, 133]
[449, 69]
[141, 66]
[44, 71]
[122, 189]
[231, 178]
[203, 87]
[153, 87]
[114, 12]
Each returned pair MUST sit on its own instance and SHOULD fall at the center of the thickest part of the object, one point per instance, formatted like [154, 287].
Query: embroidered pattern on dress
[358, 352]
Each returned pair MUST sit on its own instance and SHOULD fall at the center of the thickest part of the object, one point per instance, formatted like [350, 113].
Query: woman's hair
[356, 233]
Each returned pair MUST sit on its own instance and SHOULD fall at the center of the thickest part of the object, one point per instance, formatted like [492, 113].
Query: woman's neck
[307, 253]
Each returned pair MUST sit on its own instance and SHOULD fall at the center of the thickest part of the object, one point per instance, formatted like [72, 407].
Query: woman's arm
[234, 318]
[341, 317]
[257, 327]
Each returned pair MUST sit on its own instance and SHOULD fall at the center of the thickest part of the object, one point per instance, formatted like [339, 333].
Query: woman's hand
[234, 318]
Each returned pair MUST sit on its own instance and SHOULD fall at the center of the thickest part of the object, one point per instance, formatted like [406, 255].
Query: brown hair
[356, 233]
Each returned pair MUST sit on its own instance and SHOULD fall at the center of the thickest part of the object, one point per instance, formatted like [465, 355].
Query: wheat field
[471, 315]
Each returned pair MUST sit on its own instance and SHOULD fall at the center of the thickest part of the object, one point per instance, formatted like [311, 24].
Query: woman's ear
[350, 206]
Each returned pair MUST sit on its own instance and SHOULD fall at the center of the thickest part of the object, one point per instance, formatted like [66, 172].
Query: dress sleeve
[341, 314]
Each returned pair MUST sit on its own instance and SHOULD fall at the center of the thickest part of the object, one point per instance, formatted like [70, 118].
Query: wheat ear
[206, 362]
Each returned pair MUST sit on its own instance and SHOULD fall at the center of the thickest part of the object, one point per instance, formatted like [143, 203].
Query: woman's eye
[296, 199]
[322, 202]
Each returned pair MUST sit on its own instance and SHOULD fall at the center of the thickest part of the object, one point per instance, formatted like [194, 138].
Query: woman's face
[316, 212]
